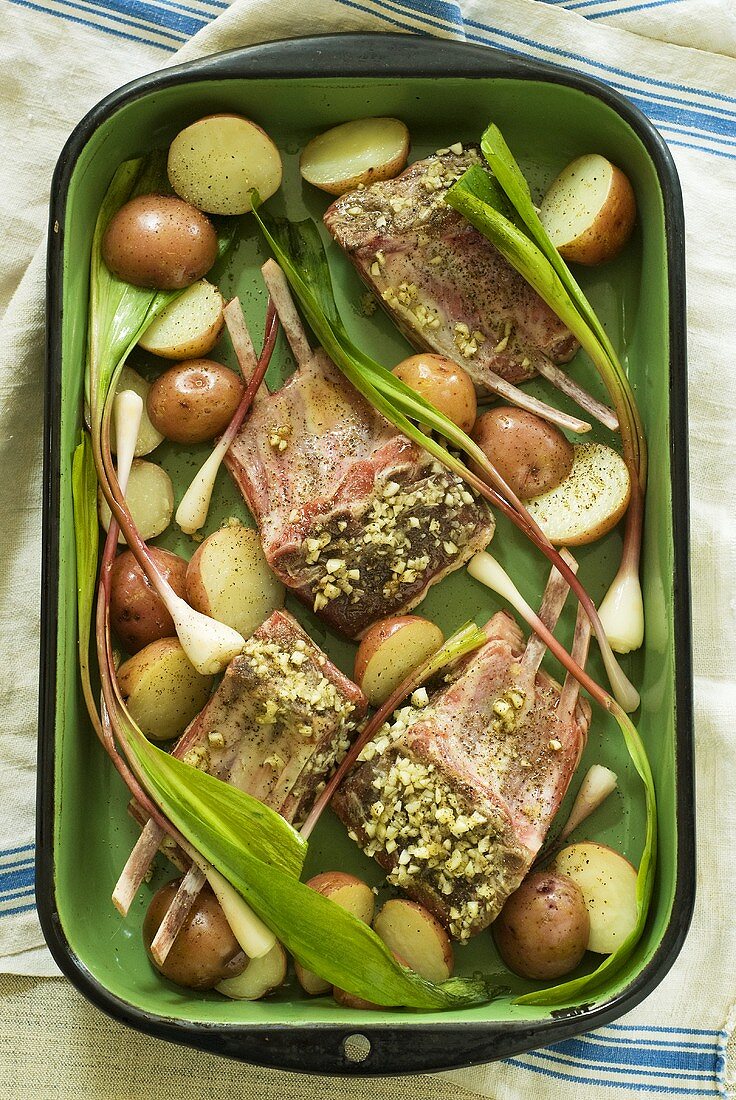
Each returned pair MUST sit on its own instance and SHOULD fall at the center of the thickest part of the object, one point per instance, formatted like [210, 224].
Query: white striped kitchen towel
[675, 59]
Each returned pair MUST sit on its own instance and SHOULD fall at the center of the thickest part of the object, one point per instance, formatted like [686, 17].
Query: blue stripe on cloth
[694, 1076]
[102, 10]
[18, 909]
[26, 862]
[13, 895]
[658, 1043]
[147, 14]
[14, 851]
[67, 17]
[597, 1079]
[632, 7]
[14, 880]
[661, 1027]
[596, 1051]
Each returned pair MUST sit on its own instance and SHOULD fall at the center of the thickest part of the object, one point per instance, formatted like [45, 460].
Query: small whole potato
[531, 455]
[194, 400]
[543, 929]
[159, 241]
[443, 383]
[205, 951]
[137, 612]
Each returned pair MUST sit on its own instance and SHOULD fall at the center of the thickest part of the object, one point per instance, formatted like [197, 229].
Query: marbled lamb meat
[454, 798]
[355, 518]
[280, 721]
[443, 282]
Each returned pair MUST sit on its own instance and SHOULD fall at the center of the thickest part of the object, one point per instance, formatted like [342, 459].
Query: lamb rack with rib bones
[454, 797]
[356, 519]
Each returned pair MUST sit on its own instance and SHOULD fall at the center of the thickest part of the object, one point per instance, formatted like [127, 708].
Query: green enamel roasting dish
[445, 92]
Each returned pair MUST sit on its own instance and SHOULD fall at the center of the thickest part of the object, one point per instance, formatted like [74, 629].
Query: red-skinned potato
[589, 210]
[163, 689]
[189, 327]
[390, 650]
[194, 400]
[159, 241]
[351, 1000]
[216, 162]
[260, 977]
[351, 894]
[608, 884]
[412, 933]
[205, 951]
[355, 153]
[531, 455]
[443, 383]
[137, 613]
[543, 929]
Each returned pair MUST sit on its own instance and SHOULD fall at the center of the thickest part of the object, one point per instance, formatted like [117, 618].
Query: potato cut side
[351, 1000]
[230, 579]
[589, 210]
[150, 498]
[148, 437]
[189, 327]
[390, 650]
[347, 891]
[589, 502]
[608, 884]
[163, 688]
[259, 977]
[351, 894]
[363, 151]
[411, 932]
[216, 163]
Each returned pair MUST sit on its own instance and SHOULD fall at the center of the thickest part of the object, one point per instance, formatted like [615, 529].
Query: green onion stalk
[501, 207]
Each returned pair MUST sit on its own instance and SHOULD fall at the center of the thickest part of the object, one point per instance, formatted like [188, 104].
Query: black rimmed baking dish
[445, 91]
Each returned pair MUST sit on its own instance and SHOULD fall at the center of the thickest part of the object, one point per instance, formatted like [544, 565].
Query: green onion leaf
[86, 538]
[570, 992]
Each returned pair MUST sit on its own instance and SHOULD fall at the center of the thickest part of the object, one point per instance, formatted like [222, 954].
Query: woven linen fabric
[676, 61]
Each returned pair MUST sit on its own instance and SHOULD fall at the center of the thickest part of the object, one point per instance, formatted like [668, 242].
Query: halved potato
[412, 933]
[163, 688]
[150, 498]
[259, 977]
[589, 502]
[589, 210]
[215, 163]
[229, 579]
[390, 650]
[148, 437]
[189, 327]
[351, 894]
[351, 1000]
[608, 884]
[362, 151]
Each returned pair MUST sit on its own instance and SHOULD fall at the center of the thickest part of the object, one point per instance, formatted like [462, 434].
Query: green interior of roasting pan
[546, 125]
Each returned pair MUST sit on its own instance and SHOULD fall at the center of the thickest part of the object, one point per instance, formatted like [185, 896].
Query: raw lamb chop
[454, 797]
[442, 281]
[355, 518]
[280, 721]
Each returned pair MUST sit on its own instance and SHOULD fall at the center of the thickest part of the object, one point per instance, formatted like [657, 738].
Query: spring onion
[119, 314]
[523, 241]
